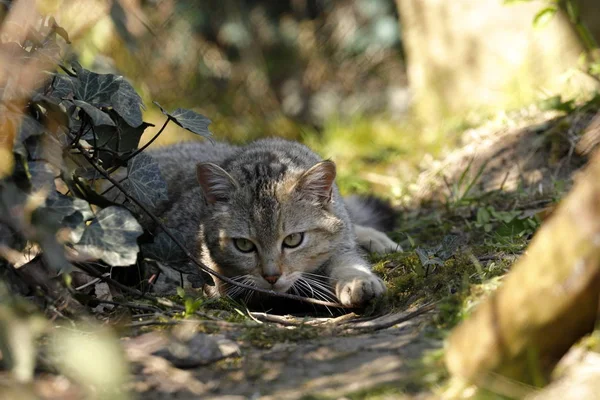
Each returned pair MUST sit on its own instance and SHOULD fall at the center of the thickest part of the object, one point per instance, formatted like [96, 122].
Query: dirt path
[329, 367]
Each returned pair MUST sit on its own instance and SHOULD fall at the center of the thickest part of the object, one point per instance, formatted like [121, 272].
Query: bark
[548, 301]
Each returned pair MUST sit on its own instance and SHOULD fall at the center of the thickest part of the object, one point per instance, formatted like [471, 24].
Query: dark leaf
[164, 249]
[98, 117]
[64, 206]
[145, 182]
[108, 90]
[450, 244]
[121, 138]
[112, 237]
[66, 212]
[54, 252]
[63, 87]
[128, 104]
[55, 116]
[95, 88]
[29, 127]
[42, 177]
[7, 235]
[190, 120]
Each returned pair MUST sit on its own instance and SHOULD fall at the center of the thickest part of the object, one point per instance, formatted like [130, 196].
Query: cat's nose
[272, 278]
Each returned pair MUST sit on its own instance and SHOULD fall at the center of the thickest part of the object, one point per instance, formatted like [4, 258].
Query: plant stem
[138, 151]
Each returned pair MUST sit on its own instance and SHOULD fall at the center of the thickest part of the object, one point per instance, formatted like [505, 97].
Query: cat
[270, 215]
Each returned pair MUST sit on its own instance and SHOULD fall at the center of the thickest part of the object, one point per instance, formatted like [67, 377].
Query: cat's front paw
[356, 291]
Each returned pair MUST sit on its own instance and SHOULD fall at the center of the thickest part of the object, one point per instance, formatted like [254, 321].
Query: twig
[387, 322]
[220, 324]
[204, 268]
[138, 151]
[130, 305]
[92, 271]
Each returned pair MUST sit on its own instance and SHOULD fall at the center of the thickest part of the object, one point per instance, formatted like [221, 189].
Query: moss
[267, 335]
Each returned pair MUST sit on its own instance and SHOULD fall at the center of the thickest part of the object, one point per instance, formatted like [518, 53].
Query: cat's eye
[244, 245]
[293, 240]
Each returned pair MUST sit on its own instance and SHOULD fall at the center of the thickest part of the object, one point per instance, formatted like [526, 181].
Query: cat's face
[272, 232]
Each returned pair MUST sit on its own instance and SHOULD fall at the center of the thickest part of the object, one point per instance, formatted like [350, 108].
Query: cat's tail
[371, 211]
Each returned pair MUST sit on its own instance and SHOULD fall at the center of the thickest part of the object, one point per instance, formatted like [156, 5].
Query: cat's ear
[216, 183]
[317, 182]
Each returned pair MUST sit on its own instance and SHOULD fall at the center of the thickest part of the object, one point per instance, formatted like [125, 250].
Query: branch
[204, 268]
[138, 151]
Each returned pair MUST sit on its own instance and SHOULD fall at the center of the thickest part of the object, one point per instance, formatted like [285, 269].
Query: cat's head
[269, 224]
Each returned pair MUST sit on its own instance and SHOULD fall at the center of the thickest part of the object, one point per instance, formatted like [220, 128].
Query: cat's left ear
[317, 182]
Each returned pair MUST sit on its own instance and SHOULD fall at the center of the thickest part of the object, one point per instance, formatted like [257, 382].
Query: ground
[464, 219]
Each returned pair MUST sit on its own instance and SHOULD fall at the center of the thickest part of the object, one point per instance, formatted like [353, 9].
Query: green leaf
[112, 237]
[190, 120]
[180, 292]
[98, 117]
[145, 182]
[544, 16]
[483, 216]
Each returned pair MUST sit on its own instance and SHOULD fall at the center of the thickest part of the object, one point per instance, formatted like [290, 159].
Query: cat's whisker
[325, 290]
[302, 281]
[318, 291]
[319, 276]
[235, 291]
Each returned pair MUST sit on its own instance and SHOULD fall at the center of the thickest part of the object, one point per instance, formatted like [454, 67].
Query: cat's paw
[358, 290]
[375, 241]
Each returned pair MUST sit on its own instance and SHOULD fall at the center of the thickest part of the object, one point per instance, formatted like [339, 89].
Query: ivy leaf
[69, 212]
[120, 138]
[108, 90]
[128, 104]
[63, 87]
[28, 127]
[98, 117]
[112, 237]
[42, 177]
[164, 249]
[64, 206]
[190, 120]
[145, 182]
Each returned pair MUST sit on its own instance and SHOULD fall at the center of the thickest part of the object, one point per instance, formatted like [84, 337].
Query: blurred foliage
[590, 59]
[257, 67]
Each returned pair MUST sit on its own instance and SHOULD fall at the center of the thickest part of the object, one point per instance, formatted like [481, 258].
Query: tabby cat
[269, 215]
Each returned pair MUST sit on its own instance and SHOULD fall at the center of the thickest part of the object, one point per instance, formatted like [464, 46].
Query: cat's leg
[375, 241]
[353, 281]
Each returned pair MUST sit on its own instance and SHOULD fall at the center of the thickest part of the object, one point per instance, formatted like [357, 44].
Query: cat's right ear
[216, 183]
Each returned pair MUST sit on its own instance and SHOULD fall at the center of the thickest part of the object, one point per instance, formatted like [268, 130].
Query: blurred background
[377, 85]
